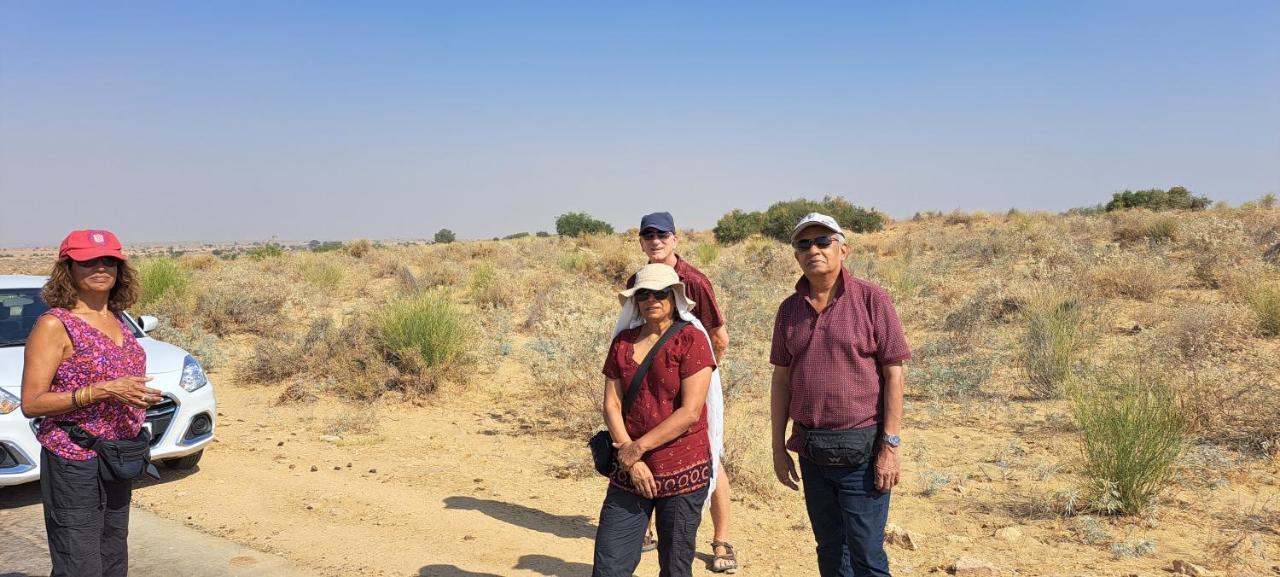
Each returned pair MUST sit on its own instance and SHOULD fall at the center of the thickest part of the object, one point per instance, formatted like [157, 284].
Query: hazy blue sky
[242, 120]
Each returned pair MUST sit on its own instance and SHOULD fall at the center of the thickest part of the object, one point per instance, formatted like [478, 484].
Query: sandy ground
[461, 487]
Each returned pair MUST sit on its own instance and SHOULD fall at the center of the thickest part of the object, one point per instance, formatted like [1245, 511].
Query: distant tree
[543, 234]
[736, 226]
[781, 217]
[313, 244]
[515, 236]
[1176, 198]
[581, 224]
[445, 236]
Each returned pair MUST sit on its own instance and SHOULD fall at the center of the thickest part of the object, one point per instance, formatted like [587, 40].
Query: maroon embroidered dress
[683, 465]
[96, 359]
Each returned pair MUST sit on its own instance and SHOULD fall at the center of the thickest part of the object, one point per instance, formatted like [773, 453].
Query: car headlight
[192, 375]
[8, 402]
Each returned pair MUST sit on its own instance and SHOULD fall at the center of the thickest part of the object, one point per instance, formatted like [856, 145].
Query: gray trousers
[624, 517]
[87, 521]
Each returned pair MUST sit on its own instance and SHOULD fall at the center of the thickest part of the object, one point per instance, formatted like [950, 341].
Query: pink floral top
[96, 359]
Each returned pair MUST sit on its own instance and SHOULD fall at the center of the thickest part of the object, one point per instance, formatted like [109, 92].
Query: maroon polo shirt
[698, 288]
[835, 356]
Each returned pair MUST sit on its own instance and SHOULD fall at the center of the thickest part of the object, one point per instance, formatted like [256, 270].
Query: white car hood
[161, 358]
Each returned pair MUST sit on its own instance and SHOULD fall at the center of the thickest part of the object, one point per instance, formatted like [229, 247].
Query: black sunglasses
[106, 261]
[652, 234]
[644, 294]
[822, 242]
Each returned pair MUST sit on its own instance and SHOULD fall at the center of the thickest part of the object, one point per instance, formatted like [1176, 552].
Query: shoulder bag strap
[644, 366]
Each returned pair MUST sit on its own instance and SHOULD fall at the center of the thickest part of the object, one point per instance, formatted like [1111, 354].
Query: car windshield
[19, 309]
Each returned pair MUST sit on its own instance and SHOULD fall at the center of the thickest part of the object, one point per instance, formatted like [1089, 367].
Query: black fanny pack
[839, 447]
[119, 460]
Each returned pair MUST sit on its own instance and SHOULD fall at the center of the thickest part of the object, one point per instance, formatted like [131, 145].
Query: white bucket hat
[657, 277]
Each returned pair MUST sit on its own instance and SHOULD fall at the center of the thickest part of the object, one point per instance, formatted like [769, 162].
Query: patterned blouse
[683, 465]
[96, 359]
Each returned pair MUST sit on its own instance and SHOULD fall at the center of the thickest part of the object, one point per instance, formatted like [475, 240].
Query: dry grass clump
[1053, 342]
[486, 291]
[1134, 276]
[1234, 403]
[358, 248]
[1142, 226]
[338, 358]
[1200, 331]
[569, 340]
[237, 301]
[320, 271]
[1263, 298]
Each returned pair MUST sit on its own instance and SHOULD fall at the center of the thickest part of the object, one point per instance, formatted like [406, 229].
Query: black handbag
[603, 455]
[840, 447]
[118, 460]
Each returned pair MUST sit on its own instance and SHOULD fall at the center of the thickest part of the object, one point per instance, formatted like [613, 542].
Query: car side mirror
[149, 323]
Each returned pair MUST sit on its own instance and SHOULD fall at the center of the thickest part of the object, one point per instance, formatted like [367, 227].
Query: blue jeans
[848, 515]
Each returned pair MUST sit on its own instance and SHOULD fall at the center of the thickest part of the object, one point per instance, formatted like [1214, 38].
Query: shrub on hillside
[581, 224]
[1141, 278]
[358, 248]
[1264, 298]
[1131, 432]
[485, 290]
[736, 225]
[1176, 198]
[235, 302]
[264, 251]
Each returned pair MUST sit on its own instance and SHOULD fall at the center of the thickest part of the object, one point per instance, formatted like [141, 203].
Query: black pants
[87, 520]
[624, 517]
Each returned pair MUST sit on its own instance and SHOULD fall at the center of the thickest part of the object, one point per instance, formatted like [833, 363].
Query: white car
[181, 424]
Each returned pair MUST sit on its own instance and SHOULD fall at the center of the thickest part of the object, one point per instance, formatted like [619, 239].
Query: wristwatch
[891, 440]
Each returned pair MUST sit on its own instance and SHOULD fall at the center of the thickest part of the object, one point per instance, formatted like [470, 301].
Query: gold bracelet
[82, 392]
[75, 404]
[90, 388]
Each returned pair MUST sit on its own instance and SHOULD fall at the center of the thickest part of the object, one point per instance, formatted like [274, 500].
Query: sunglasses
[645, 294]
[102, 261]
[652, 234]
[822, 242]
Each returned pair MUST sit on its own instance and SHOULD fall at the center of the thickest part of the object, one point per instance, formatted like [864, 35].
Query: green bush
[485, 290]
[1052, 345]
[705, 253]
[515, 236]
[581, 224]
[782, 217]
[326, 246]
[269, 250]
[445, 236]
[159, 277]
[321, 273]
[1176, 198]
[736, 226]
[422, 330]
[1131, 432]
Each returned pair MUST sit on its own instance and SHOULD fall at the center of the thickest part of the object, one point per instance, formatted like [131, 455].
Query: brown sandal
[727, 563]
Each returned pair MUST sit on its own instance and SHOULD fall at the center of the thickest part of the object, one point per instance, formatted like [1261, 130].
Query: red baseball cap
[90, 244]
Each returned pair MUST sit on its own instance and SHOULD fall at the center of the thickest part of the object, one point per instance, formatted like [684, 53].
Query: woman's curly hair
[61, 291]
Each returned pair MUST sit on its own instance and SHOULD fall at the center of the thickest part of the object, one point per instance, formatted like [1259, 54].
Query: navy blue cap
[660, 221]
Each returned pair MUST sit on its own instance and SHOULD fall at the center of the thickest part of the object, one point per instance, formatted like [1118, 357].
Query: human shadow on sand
[553, 566]
[566, 526]
[450, 571]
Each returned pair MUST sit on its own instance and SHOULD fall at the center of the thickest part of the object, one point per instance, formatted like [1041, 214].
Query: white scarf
[628, 319]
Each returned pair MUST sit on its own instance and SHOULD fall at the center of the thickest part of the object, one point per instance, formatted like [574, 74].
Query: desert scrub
[1131, 430]
[241, 300]
[159, 277]
[704, 253]
[1263, 297]
[486, 291]
[203, 346]
[422, 331]
[321, 272]
[1141, 277]
[1053, 342]
[571, 331]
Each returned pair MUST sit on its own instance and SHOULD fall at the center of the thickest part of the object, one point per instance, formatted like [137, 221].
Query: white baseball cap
[819, 219]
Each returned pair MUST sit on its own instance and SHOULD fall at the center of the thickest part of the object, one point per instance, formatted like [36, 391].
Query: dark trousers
[87, 520]
[848, 515]
[624, 517]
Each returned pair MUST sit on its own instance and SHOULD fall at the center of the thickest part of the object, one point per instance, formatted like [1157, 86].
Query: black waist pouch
[602, 453]
[840, 447]
[119, 460]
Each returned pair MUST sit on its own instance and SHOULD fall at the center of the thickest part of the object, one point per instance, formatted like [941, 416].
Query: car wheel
[186, 462]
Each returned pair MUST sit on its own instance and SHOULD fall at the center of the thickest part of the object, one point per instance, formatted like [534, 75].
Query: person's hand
[629, 453]
[642, 479]
[131, 391]
[785, 469]
[887, 470]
